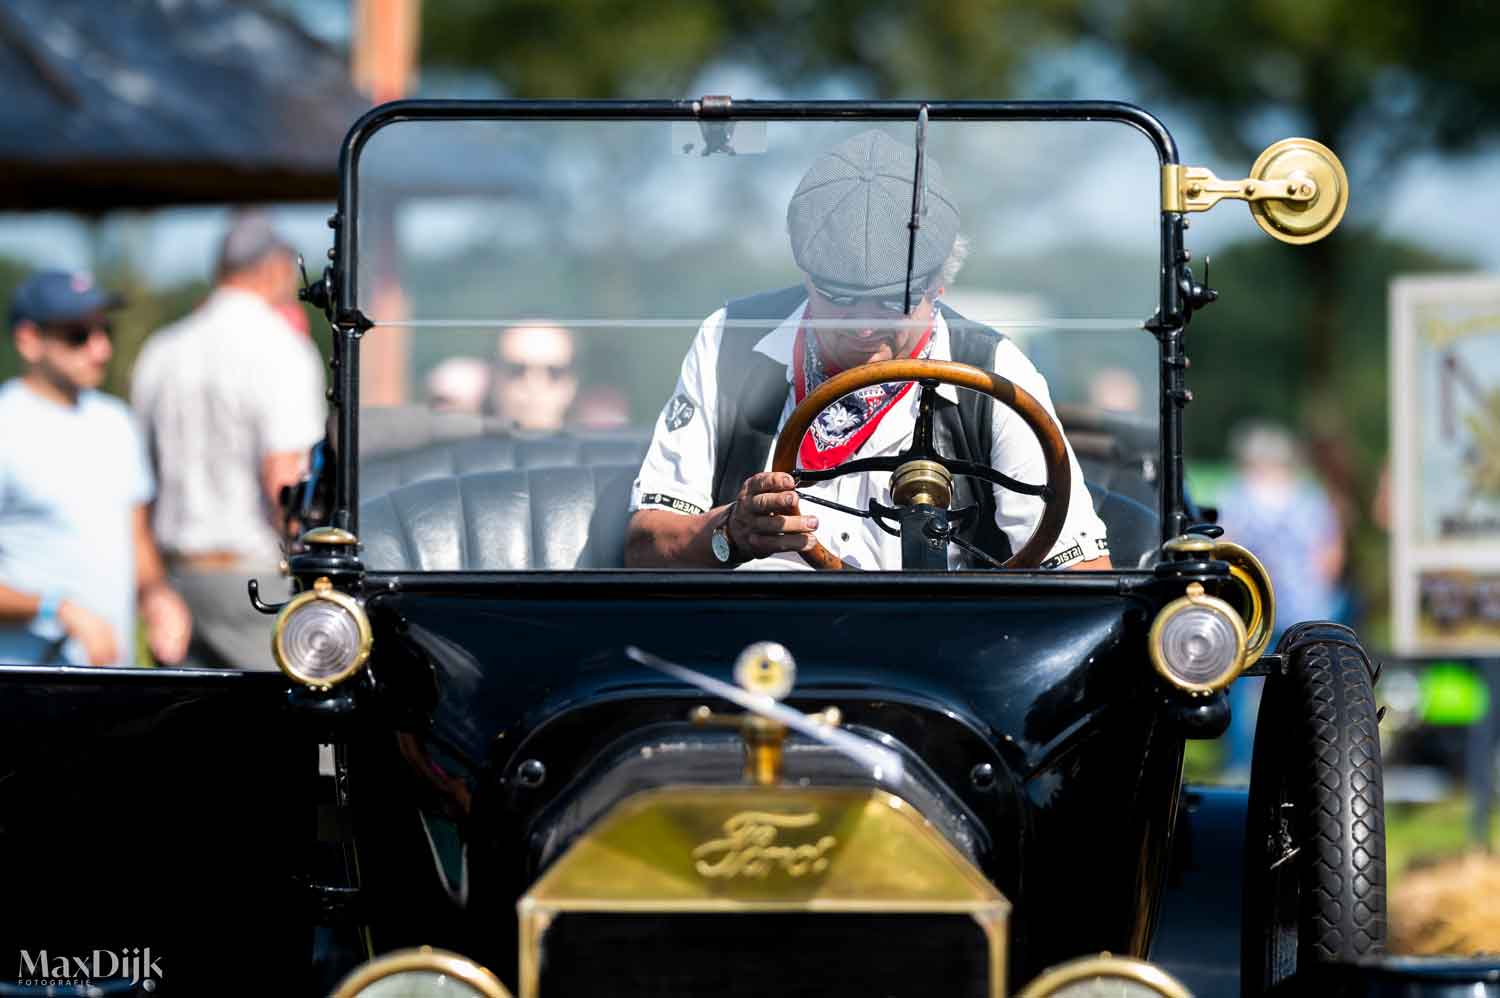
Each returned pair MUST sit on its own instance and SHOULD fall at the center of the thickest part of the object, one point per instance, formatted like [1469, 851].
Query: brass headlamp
[1120, 976]
[419, 973]
[321, 637]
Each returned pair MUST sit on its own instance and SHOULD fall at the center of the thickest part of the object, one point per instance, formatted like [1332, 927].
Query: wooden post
[384, 68]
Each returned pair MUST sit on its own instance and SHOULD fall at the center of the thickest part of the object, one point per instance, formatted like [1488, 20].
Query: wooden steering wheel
[1055, 493]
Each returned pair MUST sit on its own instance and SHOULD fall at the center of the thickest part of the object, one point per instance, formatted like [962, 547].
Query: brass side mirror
[1297, 190]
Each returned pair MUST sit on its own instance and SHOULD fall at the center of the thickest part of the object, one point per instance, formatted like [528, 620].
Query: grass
[1417, 834]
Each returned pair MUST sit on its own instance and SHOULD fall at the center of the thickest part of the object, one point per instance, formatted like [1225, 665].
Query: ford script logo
[750, 848]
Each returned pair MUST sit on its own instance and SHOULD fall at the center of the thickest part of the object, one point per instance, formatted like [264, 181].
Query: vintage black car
[495, 759]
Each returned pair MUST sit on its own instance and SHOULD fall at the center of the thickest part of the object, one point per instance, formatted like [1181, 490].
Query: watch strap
[737, 555]
[47, 608]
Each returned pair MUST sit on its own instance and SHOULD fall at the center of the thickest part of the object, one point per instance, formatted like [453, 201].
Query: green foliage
[615, 48]
[1257, 355]
[11, 274]
[1397, 76]
[1253, 352]
[1400, 75]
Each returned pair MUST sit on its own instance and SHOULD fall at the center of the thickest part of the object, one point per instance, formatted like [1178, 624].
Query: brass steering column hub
[922, 483]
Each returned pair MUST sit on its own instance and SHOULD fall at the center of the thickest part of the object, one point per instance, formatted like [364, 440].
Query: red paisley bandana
[842, 429]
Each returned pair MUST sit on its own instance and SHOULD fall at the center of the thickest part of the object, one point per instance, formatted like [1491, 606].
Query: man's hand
[91, 631]
[766, 517]
[169, 624]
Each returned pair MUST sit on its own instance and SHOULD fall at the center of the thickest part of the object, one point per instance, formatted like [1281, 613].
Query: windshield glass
[552, 353]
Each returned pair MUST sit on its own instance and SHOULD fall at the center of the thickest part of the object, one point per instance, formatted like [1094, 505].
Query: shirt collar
[778, 343]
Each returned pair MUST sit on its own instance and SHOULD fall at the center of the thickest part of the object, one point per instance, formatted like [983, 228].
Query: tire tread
[1343, 807]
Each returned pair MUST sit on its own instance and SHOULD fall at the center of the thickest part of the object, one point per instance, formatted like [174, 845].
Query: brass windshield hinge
[1195, 188]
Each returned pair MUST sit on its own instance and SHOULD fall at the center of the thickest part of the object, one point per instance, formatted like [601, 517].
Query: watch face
[721, 546]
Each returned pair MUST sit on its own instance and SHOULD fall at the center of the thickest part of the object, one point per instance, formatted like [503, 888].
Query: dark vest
[753, 388]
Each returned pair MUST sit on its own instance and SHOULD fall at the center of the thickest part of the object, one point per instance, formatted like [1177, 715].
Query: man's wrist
[151, 588]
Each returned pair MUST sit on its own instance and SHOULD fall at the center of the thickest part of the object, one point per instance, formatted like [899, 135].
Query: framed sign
[1445, 465]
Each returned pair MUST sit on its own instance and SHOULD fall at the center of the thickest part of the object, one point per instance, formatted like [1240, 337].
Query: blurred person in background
[1275, 507]
[601, 407]
[77, 561]
[232, 398]
[1115, 390]
[458, 384]
[535, 382]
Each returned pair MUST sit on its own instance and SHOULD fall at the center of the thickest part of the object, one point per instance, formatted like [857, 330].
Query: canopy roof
[142, 103]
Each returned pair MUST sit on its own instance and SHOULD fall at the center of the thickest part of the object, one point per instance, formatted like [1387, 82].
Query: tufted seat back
[383, 472]
[522, 518]
[573, 517]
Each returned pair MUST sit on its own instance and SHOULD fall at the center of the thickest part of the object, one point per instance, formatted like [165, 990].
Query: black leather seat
[390, 470]
[1134, 529]
[523, 518]
[573, 517]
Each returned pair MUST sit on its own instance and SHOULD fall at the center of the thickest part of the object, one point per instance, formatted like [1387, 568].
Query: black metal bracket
[267, 608]
[1195, 294]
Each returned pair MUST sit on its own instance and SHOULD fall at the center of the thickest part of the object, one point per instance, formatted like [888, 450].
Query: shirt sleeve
[142, 477]
[293, 408]
[1016, 452]
[677, 474]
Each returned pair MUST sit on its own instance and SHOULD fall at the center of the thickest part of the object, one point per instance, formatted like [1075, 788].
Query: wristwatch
[46, 611]
[723, 544]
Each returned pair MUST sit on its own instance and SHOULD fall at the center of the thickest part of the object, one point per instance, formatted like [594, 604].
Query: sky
[1430, 203]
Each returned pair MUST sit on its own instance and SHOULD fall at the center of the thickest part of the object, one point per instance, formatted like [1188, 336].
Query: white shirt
[678, 471]
[217, 392]
[71, 478]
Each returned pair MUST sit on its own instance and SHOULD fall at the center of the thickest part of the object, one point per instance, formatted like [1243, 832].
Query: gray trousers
[229, 633]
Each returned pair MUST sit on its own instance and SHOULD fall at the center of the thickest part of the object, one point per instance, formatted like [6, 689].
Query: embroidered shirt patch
[679, 412]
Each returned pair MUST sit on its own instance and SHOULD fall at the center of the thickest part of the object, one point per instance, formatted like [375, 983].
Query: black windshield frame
[1168, 324]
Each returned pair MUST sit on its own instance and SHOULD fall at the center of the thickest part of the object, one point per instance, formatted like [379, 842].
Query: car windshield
[551, 349]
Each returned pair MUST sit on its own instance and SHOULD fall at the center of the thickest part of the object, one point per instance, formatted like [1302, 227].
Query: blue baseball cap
[50, 296]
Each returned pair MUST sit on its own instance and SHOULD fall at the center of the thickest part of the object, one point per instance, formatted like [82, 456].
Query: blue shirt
[71, 477]
[1286, 529]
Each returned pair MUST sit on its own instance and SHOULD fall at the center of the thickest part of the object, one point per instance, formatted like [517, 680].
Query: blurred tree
[616, 48]
[1379, 81]
[12, 272]
[1251, 362]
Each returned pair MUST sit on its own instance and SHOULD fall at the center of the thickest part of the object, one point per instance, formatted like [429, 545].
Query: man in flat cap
[78, 565]
[705, 497]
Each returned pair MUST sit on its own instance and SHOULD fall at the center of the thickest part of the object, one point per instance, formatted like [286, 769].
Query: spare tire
[1315, 890]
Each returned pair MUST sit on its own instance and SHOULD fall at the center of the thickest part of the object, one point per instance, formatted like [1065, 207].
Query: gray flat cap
[848, 218]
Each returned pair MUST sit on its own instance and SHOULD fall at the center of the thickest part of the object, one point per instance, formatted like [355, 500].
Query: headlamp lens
[321, 639]
[419, 984]
[1199, 645]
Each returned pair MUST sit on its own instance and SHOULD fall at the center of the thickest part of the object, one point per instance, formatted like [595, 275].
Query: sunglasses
[76, 334]
[896, 305]
[515, 370]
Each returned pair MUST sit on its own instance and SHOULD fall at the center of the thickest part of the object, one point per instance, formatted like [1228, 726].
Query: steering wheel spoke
[804, 477]
[984, 471]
